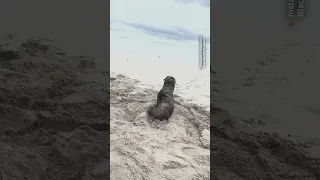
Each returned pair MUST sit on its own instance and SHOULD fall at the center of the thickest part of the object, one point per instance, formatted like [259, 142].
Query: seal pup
[165, 102]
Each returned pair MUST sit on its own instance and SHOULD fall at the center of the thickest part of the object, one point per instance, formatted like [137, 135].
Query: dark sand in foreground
[54, 112]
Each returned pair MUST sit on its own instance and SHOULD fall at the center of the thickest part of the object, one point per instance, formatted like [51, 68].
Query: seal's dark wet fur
[165, 102]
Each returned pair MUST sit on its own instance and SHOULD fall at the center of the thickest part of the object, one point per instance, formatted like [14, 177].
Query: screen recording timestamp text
[202, 52]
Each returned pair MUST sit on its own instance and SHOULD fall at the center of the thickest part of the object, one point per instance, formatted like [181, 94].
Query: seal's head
[169, 81]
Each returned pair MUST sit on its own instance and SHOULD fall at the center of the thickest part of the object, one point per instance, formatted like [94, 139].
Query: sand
[266, 80]
[54, 121]
[242, 150]
[54, 125]
[53, 110]
[143, 148]
[264, 130]
[261, 127]
[264, 115]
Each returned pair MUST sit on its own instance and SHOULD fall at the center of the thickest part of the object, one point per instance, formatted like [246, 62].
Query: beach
[146, 148]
